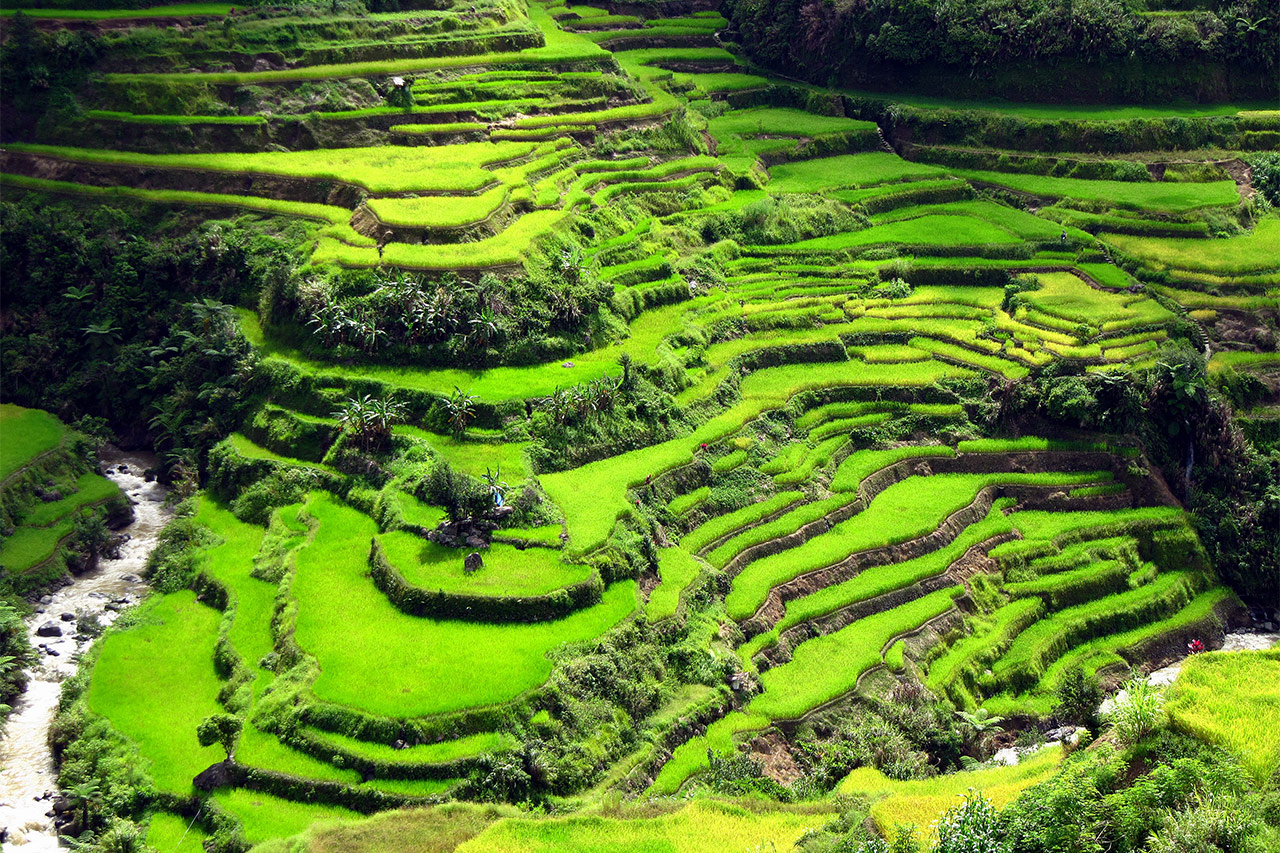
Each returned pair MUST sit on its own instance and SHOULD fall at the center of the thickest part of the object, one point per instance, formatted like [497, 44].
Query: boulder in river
[67, 617]
[49, 629]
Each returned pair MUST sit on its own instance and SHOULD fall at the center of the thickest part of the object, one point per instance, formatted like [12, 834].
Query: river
[28, 781]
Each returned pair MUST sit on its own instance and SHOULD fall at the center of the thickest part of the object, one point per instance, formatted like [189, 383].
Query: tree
[1078, 699]
[222, 729]
[370, 420]
[84, 795]
[460, 410]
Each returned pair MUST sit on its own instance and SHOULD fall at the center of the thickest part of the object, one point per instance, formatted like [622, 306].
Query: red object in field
[1195, 647]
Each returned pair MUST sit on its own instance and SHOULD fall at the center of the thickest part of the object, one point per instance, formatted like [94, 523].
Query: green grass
[1105, 651]
[384, 169]
[1069, 297]
[798, 462]
[953, 352]
[1233, 699]
[783, 525]
[903, 511]
[90, 488]
[430, 753]
[1068, 112]
[507, 248]
[345, 622]
[507, 571]
[931, 230]
[808, 679]
[1257, 251]
[28, 547]
[434, 829]
[230, 562]
[682, 504]
[704, 826]
[857, 466]
[879, 580]
[591, 512]
[337, 218]
[676, 568]
[439, 211]
[261, 749]
[1153, 195]
[265, 817]
[1024, 443]
[444, 129]
[26, 434]
[245, 446]
[164, 661]
[1048, 639]
[846, 170]
[493, 385]
[174, 834]
[690, 757]
[1011, 219]
[560, 47]
[698, 538]
[474, 457]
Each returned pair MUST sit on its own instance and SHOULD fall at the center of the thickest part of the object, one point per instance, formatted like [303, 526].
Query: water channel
[28, 783]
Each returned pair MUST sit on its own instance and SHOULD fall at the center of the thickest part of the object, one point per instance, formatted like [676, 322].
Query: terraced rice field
[809, 306]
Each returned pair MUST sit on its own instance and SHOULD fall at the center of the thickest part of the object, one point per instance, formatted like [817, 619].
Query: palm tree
[84, 794]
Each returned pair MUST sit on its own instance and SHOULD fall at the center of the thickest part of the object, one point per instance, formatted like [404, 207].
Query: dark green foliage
[598, 695]
[594, 420]
[971, 827]
[1079, 696]
[908, 735]
[742, 775]
[782, 219]
[461, 495]
[1169, 792]
[15, 655]
[847, 44]
[1266, 176]
[223, 729]
[404, 318]
[172, 565]
[122, 317]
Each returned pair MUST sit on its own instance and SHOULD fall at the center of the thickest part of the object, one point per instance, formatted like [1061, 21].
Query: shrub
[971, 827]
[1215, 824]
[1078, 698]
[1266, 175]
[1138, 712]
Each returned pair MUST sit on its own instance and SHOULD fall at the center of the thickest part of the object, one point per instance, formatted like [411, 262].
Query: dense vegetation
[566, 418]
[1207, 51]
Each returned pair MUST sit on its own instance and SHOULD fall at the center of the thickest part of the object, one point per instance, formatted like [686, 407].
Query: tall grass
[704, 826]
[1233, 699]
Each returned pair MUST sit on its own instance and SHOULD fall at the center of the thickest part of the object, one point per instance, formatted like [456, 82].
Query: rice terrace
[673, 426]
